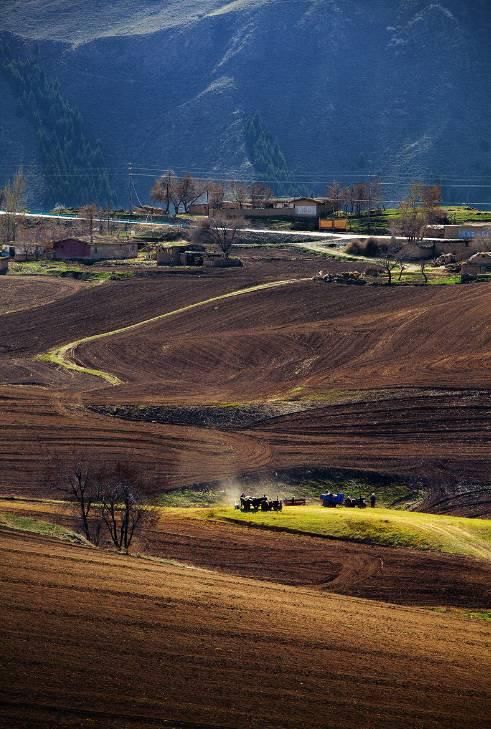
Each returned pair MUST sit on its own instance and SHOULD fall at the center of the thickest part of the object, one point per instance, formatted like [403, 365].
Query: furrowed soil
[390, 380]
[100, 640]
[18, 294]
[396, 575]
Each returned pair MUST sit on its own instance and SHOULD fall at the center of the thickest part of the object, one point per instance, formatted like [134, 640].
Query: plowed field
[98, 640]
[18, 294]
[394, 380]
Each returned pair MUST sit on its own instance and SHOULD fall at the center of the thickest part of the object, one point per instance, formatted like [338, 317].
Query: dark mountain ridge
[341, 88]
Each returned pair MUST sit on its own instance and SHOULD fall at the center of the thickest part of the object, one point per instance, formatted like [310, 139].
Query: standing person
[373, 500]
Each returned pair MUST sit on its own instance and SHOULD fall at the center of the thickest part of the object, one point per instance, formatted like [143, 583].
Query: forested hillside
[295, 93]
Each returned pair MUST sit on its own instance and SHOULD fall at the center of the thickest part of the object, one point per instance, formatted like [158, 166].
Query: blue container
[332, 499]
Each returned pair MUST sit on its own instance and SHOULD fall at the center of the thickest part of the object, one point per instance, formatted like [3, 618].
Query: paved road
[331, 237]
[52, 216]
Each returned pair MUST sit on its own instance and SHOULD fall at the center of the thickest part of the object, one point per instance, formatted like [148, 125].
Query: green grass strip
[39, 526]
[63, 356]
[441, 533]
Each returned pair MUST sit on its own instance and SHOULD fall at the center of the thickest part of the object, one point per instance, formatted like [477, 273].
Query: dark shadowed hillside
[337, 87]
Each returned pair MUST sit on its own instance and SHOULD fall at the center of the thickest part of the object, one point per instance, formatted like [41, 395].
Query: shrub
[354, 248]
[372, 248]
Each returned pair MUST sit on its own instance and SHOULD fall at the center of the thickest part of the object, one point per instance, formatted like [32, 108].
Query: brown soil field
[400, 576]
[99, 640]
[28, 292]
[311, 336]
[301, 341]
[313, 341]
[38, 424]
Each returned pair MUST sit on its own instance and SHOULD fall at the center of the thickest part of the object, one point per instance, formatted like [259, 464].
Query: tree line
[264, 152]
[180, 193]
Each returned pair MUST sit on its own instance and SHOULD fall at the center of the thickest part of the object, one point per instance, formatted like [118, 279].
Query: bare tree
[79, 479]
[431, 197]
[241, 193]
[106, 221]
[220, 231]
[417, 210]
[374, 194]
[188, 190]
[359, 196]
[216, 196]
[13, 200]
[163, 189]
[423, 272]
[402, 268]
[177, 191]
[260, 194]
[336, 196]
[389, 265]
[124, 508]
[89, 213]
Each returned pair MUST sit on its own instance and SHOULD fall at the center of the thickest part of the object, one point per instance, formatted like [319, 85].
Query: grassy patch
[394, 494]
[38, 526]
[480, 615]
[464, 214]
[188, 498]
[61, 269]
[389, 495]
[379, 223]
[452, 535]
[444, 280]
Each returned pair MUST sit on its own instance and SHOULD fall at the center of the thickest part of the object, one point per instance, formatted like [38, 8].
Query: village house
[76, 249]
[468, 231]
[302, 208]
[478, 264]
[307, 207]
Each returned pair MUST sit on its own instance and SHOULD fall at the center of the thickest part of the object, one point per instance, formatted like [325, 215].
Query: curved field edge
[23, 523]
[382, 527]
[63, 356]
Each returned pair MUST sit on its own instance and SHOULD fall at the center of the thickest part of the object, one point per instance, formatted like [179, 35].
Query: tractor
[258, 503]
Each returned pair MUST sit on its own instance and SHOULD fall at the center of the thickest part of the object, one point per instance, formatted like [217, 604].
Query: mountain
[300, 92]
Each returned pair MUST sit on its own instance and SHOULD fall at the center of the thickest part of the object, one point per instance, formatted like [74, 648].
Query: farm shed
[198, 209]
[181, 254]
[298, 208]
[417, 251]
[461, 249]
[477, 264]
[75, 249]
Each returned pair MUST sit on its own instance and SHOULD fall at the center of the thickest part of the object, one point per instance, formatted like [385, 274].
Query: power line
[325, 176]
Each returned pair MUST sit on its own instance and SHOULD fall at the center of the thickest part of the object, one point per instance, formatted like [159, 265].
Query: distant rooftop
[469, 225]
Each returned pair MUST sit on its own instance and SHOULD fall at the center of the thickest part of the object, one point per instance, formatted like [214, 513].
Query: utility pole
[130, 185]
[369, 204]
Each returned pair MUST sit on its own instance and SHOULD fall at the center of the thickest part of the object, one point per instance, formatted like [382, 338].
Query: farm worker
[373, 500]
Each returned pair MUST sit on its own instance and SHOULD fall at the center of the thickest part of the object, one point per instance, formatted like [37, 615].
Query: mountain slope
[395, 89]
[82, 21]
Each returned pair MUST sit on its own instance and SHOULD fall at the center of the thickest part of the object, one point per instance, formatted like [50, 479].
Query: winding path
[63, 356]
